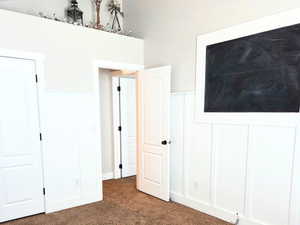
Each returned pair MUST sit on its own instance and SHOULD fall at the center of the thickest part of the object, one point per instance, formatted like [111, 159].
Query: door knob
[165, 142]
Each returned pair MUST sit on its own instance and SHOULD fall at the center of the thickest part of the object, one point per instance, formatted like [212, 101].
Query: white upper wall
[170, 28]
[33, 7]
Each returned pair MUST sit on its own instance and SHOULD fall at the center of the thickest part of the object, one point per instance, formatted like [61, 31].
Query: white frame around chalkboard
[269, 23]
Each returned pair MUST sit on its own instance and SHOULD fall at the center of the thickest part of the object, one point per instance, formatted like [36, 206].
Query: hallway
[123, 205]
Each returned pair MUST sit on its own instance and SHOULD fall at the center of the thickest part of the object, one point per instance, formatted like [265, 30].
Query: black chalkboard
[257, 73]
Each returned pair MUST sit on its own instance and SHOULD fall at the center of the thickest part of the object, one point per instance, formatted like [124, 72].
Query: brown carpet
[123, 205]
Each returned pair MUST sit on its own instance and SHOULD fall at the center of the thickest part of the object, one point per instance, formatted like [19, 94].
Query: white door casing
[128, 124]
[21, 176]
[153, 98]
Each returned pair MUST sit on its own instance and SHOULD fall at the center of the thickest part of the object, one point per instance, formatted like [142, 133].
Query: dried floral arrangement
[113, 7]
[115, 10]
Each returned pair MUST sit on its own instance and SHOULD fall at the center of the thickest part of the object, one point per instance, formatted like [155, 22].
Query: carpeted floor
[123, 205]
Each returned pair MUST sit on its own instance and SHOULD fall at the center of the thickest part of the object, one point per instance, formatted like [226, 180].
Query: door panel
[152, 167]
[153, 126]
[154, 106]
[21, 181]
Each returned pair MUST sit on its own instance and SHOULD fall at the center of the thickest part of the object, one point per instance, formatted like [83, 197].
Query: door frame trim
[39, 61]
[116, 123]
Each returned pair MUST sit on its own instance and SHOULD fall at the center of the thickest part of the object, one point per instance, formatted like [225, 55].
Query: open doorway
[118, 122]
[135, 126]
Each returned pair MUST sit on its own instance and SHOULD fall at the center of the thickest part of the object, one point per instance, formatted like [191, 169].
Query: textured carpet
[123, 205]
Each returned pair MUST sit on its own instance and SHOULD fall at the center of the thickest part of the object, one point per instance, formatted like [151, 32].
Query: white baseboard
[211, 210]
[202, 207]
[108, 176]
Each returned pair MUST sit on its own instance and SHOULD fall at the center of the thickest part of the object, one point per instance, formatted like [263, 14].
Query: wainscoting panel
[198, 173]
[270, 167]
[230, 158]
[197, 145]
[237, 172]
[295, 198]
[69, 142]
[177, 155]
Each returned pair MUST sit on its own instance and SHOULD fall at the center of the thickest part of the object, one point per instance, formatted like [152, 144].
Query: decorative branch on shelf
[115, 10]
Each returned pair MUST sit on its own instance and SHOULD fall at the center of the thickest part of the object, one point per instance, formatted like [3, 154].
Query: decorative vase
[98, 21]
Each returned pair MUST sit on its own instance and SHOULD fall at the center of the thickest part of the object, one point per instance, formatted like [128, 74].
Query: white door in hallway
[153, 90]
[128, 124]
[21, 182]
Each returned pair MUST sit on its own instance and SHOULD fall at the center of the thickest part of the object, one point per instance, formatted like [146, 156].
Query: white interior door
[153, 131]
[21, 183]
[128, 124]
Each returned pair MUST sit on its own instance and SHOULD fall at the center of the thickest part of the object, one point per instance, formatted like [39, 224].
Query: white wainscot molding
[70, 147]
[248, 171]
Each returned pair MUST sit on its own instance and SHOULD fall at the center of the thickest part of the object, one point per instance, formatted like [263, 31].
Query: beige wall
[106, 119]
[56, 6]
[170, 28]
[69, 50]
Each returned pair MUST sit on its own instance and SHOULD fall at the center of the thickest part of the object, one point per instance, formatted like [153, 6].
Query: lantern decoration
[74, 14]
